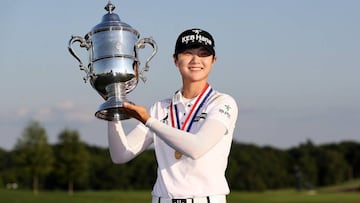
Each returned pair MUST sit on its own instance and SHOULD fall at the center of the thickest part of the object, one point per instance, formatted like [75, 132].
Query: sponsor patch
[225, 110]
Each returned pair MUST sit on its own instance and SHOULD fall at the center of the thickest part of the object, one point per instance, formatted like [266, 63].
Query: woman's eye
[204, 54]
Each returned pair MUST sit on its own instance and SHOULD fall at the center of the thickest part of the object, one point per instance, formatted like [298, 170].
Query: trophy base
[112, 111]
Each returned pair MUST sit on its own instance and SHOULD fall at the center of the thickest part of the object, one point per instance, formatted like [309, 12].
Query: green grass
[18, 196]
[285, 196]
[353, 185]
[291, 196]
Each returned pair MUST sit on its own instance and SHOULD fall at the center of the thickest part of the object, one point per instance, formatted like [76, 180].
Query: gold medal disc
[178, 155]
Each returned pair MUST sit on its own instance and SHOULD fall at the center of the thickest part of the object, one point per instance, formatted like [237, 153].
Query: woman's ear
[214, 59]
[175, 58]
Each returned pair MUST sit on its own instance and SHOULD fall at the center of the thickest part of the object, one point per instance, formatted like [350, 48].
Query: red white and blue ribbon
[175, 121]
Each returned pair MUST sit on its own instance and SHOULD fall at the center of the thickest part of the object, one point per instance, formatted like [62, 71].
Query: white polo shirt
[187, 177]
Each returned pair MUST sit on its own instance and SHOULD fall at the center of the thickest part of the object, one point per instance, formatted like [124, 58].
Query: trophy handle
[83, 44]
[140, 45]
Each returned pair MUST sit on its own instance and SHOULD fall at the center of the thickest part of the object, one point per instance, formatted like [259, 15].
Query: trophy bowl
[113, 67]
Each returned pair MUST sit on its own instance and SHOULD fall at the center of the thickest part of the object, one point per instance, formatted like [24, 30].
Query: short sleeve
[224, 109]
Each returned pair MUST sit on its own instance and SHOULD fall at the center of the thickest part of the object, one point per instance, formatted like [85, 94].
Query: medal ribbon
[205, 93]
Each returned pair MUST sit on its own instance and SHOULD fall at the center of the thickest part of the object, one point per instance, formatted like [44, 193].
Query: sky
[293, 66]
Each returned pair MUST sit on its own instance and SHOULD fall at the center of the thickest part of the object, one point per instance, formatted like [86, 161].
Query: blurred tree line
[71, 164]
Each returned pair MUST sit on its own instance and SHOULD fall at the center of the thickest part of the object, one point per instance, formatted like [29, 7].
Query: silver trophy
[113, 68]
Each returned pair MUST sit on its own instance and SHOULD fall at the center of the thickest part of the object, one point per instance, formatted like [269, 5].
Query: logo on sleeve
[225, 110]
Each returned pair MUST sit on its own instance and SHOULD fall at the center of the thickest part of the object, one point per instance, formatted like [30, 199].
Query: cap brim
[195, 46]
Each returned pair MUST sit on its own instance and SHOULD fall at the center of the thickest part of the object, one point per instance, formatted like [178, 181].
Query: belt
[208, 199]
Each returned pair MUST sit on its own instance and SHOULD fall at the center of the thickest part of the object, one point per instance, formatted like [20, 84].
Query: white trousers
[209, 199]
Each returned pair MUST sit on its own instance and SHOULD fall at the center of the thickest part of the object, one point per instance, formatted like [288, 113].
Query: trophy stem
[112, 109]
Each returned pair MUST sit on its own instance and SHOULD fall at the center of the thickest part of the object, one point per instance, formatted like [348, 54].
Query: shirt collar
[177, 98]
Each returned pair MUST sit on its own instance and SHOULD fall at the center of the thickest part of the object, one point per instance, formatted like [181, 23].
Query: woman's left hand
[138, 112]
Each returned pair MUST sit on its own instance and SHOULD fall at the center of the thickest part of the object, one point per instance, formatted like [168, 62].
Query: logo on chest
[196, 119]
[165, 119]
[201, 116]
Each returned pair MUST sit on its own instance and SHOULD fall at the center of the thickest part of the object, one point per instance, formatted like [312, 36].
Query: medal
[177, 155]
[175, 121]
